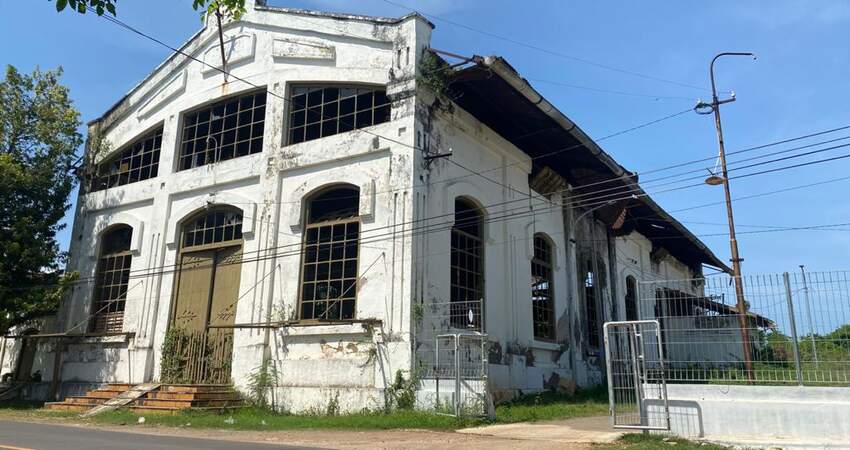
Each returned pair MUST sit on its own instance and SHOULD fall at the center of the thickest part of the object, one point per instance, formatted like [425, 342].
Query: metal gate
[637, 388]
[461, 360]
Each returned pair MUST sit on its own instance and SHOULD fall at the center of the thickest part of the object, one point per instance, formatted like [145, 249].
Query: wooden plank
[122, 399]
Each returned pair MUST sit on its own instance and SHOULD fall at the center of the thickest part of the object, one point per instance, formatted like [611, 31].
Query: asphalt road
[39, 436]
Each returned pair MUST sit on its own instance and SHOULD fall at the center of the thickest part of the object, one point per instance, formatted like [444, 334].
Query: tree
[38, 143]
[233, 8]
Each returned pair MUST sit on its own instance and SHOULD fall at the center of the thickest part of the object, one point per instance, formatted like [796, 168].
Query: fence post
[793, 325]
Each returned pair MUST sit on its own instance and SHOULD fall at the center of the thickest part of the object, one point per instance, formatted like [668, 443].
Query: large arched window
[542, 296]
[112, 280]
[631, 298]
[330, 254]
[467, 266]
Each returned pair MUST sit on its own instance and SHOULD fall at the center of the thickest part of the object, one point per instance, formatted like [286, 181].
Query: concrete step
[188, 388]
[210, 395]
[119, 387]
[72, 407]
[85, 400]
[103, 394]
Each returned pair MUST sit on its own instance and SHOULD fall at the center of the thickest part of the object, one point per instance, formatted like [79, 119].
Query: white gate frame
[456, 340]
[638, 357]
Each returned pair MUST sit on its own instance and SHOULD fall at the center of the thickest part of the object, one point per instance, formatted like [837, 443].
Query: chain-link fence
[789, 328]
[451, 351]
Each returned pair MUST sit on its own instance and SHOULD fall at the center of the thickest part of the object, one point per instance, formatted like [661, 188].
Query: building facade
[333, 202]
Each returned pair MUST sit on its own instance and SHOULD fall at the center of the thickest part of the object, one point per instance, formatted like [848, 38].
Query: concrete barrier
[784, 416]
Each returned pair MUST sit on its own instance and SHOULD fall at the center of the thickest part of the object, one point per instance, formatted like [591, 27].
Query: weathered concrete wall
[782, 416]
[518, 361]
[272, 49]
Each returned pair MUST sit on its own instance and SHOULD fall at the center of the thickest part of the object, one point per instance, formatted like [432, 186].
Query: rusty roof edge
[504, 70]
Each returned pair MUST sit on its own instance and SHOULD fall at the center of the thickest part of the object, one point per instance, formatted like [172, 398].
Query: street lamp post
[733, 242]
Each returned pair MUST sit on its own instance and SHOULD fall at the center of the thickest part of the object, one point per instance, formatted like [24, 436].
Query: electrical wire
[548, 51]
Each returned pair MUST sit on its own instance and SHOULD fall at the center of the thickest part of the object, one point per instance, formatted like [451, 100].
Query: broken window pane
[329, 265]
[467, 266]
[113, 276]
[316, 112]
[542, 299]
[139, 161]
[223, 131]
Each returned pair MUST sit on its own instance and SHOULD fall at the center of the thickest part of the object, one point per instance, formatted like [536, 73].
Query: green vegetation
[656, 441]
[38, 145]
[551, 406]
[234, 8]
[544, 406]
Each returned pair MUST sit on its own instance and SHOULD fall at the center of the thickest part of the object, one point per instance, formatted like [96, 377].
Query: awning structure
[493, 92]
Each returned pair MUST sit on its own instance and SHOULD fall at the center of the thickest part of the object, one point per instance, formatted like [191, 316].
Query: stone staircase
[167, 398]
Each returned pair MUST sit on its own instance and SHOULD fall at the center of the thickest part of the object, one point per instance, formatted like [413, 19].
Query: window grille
[327, 110]
[213, 227]
[223, 131]
[113, 277]
[542, 300]
[467, 266]
[330, 258]
[590, 307]
[139, 161]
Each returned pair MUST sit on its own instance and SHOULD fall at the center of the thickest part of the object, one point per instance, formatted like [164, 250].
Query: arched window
[542, 299]
[631, 298]
[590, 305]
[467, 266]
[112, 280]
[212, 227]
[330, 255]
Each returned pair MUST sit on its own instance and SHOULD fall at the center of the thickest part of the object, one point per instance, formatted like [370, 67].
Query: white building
[316, 208]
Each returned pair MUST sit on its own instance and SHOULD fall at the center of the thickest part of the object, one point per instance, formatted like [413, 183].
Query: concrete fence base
[782, 416]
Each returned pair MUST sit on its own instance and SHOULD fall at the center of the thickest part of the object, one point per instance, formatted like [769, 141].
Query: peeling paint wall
[272, 49]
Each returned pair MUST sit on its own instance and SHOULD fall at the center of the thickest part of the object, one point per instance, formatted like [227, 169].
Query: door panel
[193, 290]
[228, 271]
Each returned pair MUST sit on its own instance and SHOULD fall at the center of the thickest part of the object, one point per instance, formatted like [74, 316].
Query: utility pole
[733, 242]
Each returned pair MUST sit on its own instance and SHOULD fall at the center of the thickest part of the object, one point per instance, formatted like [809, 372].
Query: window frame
[126, 152]
[591, 306]
[288, 119]
[106, 322]
[193, 220]
[218, 136]
[547, 265]
[458, 315]
[343, 279]
[631, 298]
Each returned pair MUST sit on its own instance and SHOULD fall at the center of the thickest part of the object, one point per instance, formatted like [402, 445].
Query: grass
[656, 442]
[544, 406]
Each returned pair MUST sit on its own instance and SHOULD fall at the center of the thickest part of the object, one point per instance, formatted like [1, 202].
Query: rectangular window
[590, 307]
[329, 272]
[139, 161]
[225, 130]
[467, 279]
[320, 111]
[542, 301]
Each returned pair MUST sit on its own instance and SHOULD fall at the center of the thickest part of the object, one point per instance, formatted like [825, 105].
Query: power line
[548, 51]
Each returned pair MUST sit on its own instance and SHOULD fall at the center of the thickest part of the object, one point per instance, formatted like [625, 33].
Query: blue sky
[800, 84]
